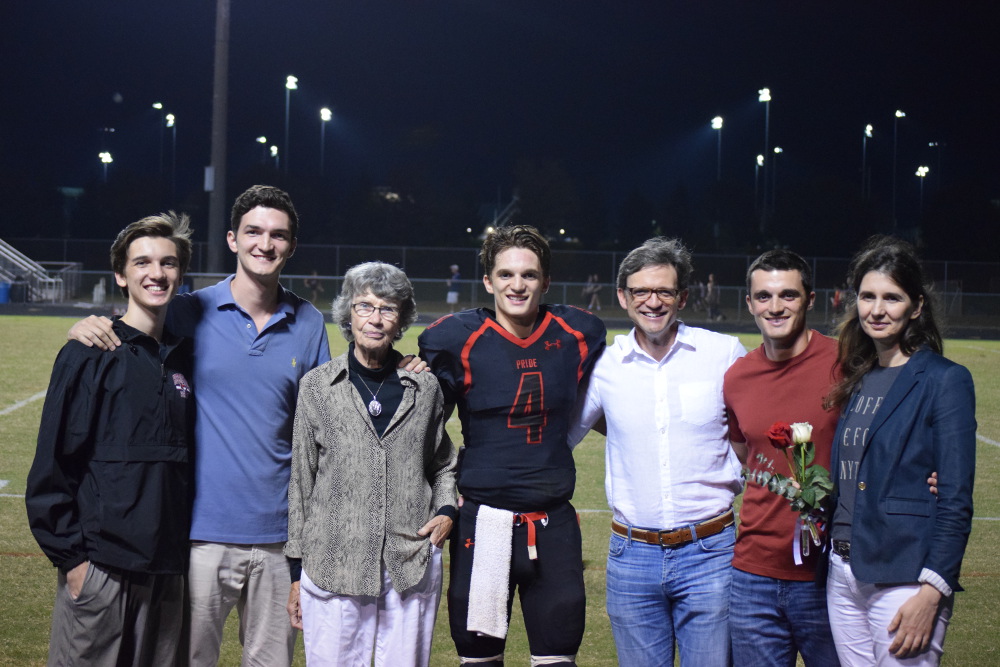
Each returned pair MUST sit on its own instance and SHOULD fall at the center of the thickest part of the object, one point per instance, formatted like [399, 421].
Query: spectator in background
[591, 292]
[712, 299]
[452, 284]
[315, 286]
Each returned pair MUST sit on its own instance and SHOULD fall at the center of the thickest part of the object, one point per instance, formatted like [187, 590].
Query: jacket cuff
[936, 580]
[295, 568]
[69, 564]
[449, 511]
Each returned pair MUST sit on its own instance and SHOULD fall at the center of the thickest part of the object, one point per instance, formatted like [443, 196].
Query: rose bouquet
[805, 490]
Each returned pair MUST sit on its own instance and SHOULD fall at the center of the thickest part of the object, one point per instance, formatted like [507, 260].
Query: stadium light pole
[864, 161]
[262, 140]
[215, 172]
[324, 117]
[756, 178]
[764, 95]
[159, 107]
[922, 174]
[172, 124]
[717, 126]
[939, 146]
[895, 146]
[778, 150]
[291, 83]
[106, 159]
[274, 154]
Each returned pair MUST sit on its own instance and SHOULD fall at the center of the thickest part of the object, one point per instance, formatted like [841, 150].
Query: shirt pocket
[699, 402]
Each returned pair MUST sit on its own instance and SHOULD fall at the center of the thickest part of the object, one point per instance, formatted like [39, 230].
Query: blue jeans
[773, 620]
[659, 594]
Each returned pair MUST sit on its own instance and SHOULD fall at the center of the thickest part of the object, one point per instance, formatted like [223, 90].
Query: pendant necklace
[374, 407]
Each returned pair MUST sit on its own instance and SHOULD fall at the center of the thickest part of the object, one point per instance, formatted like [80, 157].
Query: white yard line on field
[21, 404]
[983, 438]
[975, 347]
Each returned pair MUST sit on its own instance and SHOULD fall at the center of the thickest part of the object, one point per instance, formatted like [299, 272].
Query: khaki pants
[119, 618]
[253, 578]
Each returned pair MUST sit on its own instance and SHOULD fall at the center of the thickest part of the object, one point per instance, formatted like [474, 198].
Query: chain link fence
[968, 292]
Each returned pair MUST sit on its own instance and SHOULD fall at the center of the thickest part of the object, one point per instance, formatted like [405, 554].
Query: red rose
[780, 435]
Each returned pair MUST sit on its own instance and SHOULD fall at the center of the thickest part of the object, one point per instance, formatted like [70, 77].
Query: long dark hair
[856, 354]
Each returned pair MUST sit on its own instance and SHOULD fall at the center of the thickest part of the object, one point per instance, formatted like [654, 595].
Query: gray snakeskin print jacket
[356, 500]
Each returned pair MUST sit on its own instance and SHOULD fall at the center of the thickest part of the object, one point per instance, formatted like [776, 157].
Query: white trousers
[253, 578]
[344, 630]
[860, 614]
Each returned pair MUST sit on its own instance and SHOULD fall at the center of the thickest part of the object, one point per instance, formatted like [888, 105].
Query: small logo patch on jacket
[181, 385]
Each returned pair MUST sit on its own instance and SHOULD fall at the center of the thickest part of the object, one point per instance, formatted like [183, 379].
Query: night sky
[620, 94]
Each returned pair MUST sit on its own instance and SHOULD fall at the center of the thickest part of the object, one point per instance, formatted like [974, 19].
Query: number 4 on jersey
[528, 411]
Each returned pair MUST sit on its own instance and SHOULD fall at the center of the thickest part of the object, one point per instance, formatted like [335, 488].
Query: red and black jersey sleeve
[515, 397]
[441, 344]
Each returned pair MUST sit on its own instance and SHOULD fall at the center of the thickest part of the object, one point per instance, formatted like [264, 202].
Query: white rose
[802, 432]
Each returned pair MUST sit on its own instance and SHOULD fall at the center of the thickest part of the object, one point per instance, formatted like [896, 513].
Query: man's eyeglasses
[365, 309]
[663, 294]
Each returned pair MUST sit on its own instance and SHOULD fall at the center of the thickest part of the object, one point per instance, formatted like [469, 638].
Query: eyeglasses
[663, 294]
[365, 309]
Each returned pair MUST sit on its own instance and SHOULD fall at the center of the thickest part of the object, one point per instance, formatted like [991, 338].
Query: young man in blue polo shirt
[253, 341]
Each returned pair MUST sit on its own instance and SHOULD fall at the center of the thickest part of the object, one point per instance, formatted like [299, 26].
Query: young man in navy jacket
[109, 492]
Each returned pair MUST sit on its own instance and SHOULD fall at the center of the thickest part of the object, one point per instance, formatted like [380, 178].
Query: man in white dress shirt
[671, 473]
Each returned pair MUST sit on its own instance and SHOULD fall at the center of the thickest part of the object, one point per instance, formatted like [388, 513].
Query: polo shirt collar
[224, 297]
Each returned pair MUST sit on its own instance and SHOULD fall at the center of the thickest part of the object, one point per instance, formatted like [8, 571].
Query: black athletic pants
[551, 590]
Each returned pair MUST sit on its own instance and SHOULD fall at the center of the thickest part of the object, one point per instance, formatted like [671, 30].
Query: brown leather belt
[675, 538]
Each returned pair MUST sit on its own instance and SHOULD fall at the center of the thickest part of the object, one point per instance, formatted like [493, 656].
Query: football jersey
[515, 398]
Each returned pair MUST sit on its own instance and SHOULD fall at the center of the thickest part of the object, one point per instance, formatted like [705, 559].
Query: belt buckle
[677, 535]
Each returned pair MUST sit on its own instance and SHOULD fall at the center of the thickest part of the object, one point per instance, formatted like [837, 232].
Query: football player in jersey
[513, 372]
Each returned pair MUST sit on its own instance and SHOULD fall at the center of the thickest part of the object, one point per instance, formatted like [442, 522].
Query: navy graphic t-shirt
[851, 441]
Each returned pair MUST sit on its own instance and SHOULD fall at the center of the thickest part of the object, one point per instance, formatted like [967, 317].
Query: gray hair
[384, 281]
[657, 251]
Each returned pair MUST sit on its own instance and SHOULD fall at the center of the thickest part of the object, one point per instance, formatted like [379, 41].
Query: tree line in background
[823, 217]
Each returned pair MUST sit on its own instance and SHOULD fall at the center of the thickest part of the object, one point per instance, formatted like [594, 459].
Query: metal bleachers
[32, 281]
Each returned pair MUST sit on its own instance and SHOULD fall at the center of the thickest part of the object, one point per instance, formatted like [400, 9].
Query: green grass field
[28, 346]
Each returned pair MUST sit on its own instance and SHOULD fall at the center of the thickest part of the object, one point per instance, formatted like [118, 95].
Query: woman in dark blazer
[906, 411]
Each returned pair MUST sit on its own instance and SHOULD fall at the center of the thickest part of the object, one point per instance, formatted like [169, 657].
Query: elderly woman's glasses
[642, 293]
[365, 309]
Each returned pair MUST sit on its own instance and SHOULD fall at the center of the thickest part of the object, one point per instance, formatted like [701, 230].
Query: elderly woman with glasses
[372, 493]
